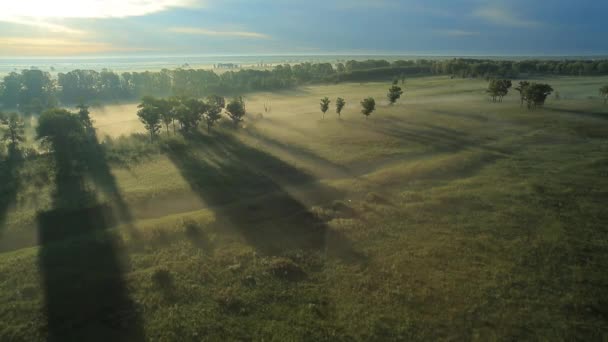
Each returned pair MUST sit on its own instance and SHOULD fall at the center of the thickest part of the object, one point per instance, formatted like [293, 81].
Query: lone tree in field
[604, 93]
[150, 117]
[340, 103]
[498, 89]
[536, 94]
[236, 110]
[522, 91]
[213, 113]
[368, 106]
[394, 93]
[325, 105]
[14, 132]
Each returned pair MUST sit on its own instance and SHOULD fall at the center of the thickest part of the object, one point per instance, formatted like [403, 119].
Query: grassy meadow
[442, 217]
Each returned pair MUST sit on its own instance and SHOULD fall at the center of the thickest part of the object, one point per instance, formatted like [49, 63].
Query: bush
[286, 269]
[162, 278]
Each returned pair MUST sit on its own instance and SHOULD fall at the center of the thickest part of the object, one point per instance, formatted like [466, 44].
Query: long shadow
[9, 184]
[298, 152]
[86, 297]
[247, 190]
[98, 169]
[578, 112]
[435, 137]
[474, 117]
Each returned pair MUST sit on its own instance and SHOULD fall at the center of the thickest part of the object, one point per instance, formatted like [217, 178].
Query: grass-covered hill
[442, 217]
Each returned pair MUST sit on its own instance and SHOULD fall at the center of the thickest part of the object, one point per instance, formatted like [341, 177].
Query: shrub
[285, 269]
[162, 278]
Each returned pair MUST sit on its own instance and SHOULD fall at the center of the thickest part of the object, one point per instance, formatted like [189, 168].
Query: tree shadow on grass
[86, 297]
[247, 189]
[437, 138]
[9, 185]
[326, 167]
[578, 112]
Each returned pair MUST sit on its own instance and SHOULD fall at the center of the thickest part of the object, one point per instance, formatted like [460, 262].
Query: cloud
[45, 14]
[213, 33]
[503, 17]
[457, 33]
[45, 25]
[18, 46]
[45, 9]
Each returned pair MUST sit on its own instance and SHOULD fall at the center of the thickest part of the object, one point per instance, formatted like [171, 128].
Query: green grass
[444, 217]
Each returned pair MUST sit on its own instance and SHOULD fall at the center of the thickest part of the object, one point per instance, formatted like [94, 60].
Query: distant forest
[32, 91]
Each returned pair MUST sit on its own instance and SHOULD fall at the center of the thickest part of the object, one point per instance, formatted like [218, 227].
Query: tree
[368, 106]
[536, 94]
[394, 93]
[217, 101]
[325, 105]
[165, 110]
[85, 118]
[499, 89]
[65, 134]
[522, 91]
[150, 117]
[213, 114]
[236, 110]
[14, 133]
[604, 93]
[340, 103]
[180, 113]
[190, 119]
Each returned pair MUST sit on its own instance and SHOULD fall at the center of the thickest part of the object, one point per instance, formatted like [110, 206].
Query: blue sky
[191, 27]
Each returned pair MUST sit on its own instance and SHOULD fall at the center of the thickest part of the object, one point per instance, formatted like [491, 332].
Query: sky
[41, 28]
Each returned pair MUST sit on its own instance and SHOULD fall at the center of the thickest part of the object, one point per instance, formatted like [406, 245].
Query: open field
[444, 217]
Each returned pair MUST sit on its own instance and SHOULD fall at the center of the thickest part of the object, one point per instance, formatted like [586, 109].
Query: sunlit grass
[442, 217]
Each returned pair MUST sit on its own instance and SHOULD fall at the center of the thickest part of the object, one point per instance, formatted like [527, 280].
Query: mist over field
[186, 170]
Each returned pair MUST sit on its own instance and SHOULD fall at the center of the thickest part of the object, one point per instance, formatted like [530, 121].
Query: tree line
[532, 94]
[186, 113]
[368, 105]
[32, 91]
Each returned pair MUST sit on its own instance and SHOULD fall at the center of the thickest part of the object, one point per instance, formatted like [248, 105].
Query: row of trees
[498, 89]
[368, 105]
[187, 113]
[533, 94]
[32, 91]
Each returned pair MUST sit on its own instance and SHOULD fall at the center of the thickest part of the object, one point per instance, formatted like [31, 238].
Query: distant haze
[154, 63]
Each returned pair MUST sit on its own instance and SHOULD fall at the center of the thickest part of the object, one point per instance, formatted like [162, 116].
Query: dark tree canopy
[498, 89]
[64, 133]
[236, 110]
[536, 94]
[213, 113]
[368, 106]
[150, 117]
[521, 88]
[340, 103]
[324, 105]
[394, 93]
[604, 93]
[85, 117]
[13, 130]
[217, 101]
